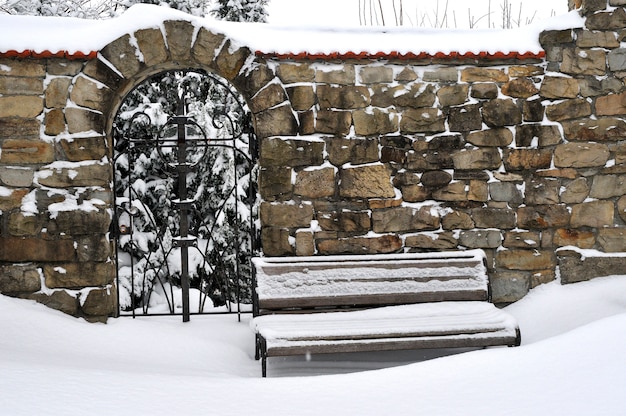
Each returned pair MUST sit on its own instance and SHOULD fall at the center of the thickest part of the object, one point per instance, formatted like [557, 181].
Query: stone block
[574, 267]
[527, 159]
[80, 222]
[376, 74]
[575, 191]
[478, 74]
[555, 37]
[611, 105]
[302, 97]
[422, 120]
[59, 300]
[87, 93]
[522, 239]
[509, 286]
[520, 88]
[95, 174]
[152, 45]
[11, 199]
[608, 186]
[526, 259]
[344, 76]
[275, 182]
[613, 20]
[602, 129]
[388, 243]
[21, 225]
[480, 238]
[581, 155]
[484, 91]
[277, 151]
[342, 150]
[543, 216]
[19, 278]
[415, 193]
[465, 118]
[345, 221]
[533, 110]
[23, 67]
[230, 60]
[286, 215]
[101, 71]
[621, 208]
[276, 121]
[123, 56]
[371, 181]
[455, 191]
[441, 75]
[572, 237]
[94, 247]
[295, 73]
[23, 151]
[19, 249]
[82, 120]
[457, 220]
[583, 61]
[405, 219]
[54, 122]
[599, 39]
[26, 106]
[505, 192]
[542, 191]
[501, 112]
[16, 176]
[275, 242]
[19, 128]
[537, 135]
[315, 183]
[497, 137]
[559, 88]
[501, 218]
[595, 214]
[407, 75]
[99, 304]
[342, 97]
[450, 95]
[418, 96]
[84, 148]
[525, 71]
[305, 244]
[333, 122]
[270, 96]
[206, 46]
[612, 240]
[436, 178]
[477, 159]
[432, 241]
[78, 275]
[179, 34]
[374, 122]
[21, 86]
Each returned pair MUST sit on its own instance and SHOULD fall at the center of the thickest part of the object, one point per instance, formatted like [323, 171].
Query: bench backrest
[304, 283]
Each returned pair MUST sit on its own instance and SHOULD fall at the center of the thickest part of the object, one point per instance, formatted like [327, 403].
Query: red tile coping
[402, 56]
[308, 56]
[47, 54]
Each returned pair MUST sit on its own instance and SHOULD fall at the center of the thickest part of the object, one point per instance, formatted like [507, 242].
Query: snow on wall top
[72, 37]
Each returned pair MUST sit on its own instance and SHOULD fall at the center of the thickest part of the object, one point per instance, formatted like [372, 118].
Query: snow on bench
[313, 305]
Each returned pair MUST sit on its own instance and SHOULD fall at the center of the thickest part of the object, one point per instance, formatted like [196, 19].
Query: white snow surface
[54, 34]
[571, 362]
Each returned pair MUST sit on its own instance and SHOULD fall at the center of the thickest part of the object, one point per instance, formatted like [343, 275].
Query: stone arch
[127, 61]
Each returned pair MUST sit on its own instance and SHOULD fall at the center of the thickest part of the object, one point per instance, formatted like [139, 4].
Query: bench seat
[425, 325]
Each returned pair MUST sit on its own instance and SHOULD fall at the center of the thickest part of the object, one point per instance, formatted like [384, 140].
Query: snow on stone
[39, 34]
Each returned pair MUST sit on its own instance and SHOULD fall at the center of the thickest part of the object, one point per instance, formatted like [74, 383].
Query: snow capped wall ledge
[45, 37]
[371, 141]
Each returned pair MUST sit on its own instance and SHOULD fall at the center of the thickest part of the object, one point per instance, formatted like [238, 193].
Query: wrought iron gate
[184, 155]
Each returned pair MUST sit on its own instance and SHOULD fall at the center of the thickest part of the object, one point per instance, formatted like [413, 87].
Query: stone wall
[518, 155]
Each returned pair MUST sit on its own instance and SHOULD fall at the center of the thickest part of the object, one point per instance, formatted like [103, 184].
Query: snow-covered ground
[572, 362]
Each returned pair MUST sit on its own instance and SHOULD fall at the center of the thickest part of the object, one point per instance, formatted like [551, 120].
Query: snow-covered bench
[313, 305]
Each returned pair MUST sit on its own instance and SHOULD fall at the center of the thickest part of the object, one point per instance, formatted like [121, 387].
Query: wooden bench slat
[367, 299]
